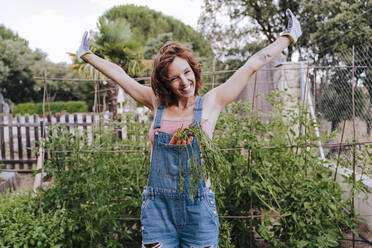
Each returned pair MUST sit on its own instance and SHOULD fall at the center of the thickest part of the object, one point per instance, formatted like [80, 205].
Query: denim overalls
[168, 216]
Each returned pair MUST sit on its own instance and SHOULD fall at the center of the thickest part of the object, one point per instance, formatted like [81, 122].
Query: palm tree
[114, 43]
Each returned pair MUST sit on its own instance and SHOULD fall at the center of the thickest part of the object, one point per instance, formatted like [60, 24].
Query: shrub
[20, 225]
[276, 168]
[25, 108]
[99, 187]
[280, 172]
[55, 107]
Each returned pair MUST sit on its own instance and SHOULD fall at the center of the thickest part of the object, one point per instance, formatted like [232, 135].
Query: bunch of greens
[213, 162]
[99, 180]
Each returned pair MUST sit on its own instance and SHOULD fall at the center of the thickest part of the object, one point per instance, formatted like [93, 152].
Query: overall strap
[198, 110]
[159, 114]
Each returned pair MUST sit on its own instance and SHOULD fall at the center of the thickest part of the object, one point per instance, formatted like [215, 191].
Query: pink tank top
[170, 126]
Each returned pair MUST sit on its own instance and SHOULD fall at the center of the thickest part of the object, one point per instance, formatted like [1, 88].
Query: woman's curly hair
[160, 81]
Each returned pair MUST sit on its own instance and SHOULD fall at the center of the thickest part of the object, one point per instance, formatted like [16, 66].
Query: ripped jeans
[171, 221]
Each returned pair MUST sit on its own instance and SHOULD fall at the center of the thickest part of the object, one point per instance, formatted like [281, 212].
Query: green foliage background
[19, 65]
[99, 190]
[146, 23]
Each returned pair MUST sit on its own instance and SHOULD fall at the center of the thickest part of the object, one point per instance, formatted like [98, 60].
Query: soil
[364, 231]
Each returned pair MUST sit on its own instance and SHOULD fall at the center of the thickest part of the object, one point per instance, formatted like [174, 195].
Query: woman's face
[181, 78]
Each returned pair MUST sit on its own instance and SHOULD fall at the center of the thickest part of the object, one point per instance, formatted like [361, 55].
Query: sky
[56, 26]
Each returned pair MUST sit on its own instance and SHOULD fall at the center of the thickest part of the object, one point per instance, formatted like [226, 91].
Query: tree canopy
[146, 23]
[328, 26]
[330, 29]
[19, 65]
[15, 61]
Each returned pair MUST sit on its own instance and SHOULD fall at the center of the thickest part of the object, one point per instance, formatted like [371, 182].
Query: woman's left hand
[293, 29]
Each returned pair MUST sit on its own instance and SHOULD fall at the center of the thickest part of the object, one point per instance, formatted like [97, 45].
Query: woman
[169, 217]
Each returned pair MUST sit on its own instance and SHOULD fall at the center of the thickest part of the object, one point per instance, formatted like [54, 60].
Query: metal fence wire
[343, 101]
[343, 95]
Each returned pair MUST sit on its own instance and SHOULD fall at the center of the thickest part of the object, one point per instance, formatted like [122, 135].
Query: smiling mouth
[187, 88]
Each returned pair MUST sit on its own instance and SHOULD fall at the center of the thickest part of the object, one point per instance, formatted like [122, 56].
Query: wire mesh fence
[342, 100]
[343, 95]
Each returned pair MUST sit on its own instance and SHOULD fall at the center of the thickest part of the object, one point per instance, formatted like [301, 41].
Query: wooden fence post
[76, 120]
[85, 122]
[11, 142]
[28, 140]
[19, 137]
[2, 138]
[67, 121]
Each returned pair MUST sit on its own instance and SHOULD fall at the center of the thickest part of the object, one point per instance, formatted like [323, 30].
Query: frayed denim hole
[153, 245]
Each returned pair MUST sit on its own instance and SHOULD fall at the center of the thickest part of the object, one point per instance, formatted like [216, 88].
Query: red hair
[160, 81]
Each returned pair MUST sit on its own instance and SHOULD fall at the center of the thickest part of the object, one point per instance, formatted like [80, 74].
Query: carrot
[173, 140]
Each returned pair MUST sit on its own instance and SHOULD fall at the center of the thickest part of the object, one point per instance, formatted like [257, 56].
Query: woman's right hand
[84, 46]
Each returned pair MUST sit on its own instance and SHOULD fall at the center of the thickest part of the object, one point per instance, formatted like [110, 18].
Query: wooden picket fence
[19, 136]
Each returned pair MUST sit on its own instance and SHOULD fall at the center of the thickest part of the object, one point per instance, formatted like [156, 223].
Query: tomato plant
[267, 162]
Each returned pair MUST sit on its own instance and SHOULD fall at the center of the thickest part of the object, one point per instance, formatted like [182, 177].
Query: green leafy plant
[258, 164]
[55, 107]
[279, 172]
[21, 226]
[98, 183]
[213, 162]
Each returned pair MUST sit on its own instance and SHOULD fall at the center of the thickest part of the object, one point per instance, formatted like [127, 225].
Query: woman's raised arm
[140, 93]
[230, 90]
